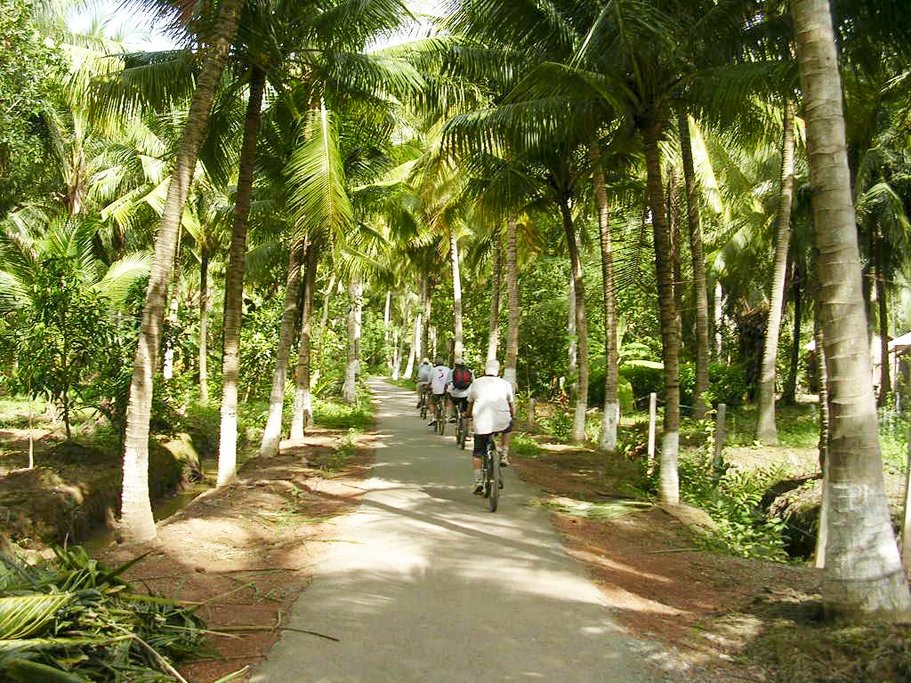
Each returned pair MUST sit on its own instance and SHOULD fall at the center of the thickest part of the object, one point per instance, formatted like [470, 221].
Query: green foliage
[732, 501]
[644, 380]
[74, 619]
[559, 425]
[596, 389]
[334, 414]
[259, 342]
[30, 74]
[63, 338]
[523, 445]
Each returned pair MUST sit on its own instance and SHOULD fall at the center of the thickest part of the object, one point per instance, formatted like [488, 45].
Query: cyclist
[424, 370]
[492, 407]
[439, 378]
[458, 386]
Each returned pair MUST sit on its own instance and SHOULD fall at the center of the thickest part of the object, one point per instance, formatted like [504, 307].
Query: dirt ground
[244, 552]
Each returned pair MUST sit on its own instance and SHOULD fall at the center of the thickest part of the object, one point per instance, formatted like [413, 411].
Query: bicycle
[422, 403]
[492, 478]
[461, 426]
[439, 415]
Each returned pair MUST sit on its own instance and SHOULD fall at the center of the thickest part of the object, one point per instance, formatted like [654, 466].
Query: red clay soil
[245, 551]
[706, 607]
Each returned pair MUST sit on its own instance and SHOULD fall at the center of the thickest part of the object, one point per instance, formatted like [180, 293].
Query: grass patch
[524, 445]
[333, 413]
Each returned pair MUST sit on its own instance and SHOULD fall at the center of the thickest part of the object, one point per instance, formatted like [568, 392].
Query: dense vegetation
[618, 198]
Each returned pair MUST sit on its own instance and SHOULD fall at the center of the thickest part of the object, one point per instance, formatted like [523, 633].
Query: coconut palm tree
[136, 510]
[863, 572]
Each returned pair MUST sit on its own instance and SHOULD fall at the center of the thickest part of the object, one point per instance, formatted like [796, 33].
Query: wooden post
[652, 424]
[719, 438]
[531, 414]
[906, 518]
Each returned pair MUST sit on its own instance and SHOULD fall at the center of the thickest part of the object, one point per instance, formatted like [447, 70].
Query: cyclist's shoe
[504, 460]
[432, 423]
[452, 420]
[478, 487]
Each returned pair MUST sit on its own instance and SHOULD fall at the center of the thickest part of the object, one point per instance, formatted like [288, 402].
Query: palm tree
[863, 574]
[766, 430]
[136, 510]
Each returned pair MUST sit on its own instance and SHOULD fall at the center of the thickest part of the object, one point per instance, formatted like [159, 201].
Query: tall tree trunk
[863, 573]
[204, 324]
[719, 320]
[823, 442]
[512, 290]
[673, 222]
[352, 369]
[611, 417]
[167, 366]
[234, 282]
[571, 334]
[700, 292]
[414, 355]
[670, 341]
[387, 332]
[885, 384]
[427, 346]
[458, 333]
[569, 232]
[272, 433]
[789, 395]
[137, 522]
[302, 414]
[496, 265]
[766, 430]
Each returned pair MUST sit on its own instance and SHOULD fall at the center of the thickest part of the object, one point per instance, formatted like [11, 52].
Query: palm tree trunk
[302, 414]
[885, 384]
[611, 417]
[581, 320]
[137, 522]
[204, 324]
[356, 296]
[414, 354]
[863, 574]
[670, 342]
[234, 282]
[427, 347]
[789, 395]
[272, 433]
[458, 331]
[766, 431]
[496, 264]
[700, 291]
[719, 319]
[572, 347]
[387, 333]
[512, 293]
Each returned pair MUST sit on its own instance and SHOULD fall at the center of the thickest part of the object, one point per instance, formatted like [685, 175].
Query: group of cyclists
[488, 403]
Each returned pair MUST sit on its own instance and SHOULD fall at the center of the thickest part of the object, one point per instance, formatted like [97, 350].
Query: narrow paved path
[423, 583]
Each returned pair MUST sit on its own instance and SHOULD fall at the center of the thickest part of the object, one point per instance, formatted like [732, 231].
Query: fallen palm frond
[72, 619]
[597, 510]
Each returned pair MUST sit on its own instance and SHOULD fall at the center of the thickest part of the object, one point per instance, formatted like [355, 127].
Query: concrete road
[423, 583]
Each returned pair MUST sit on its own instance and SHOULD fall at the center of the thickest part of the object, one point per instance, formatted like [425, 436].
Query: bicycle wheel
[463, 431]
[423, 406]
[493, 463]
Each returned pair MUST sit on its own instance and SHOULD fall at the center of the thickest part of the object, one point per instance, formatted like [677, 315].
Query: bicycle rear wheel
[493, 466]
[463, 431]
[440, 419]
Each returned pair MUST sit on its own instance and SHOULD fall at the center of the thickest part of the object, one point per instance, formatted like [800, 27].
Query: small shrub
[559, 425]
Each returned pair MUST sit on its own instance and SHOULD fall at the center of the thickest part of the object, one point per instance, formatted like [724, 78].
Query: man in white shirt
[440, 376]
[492, 407]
